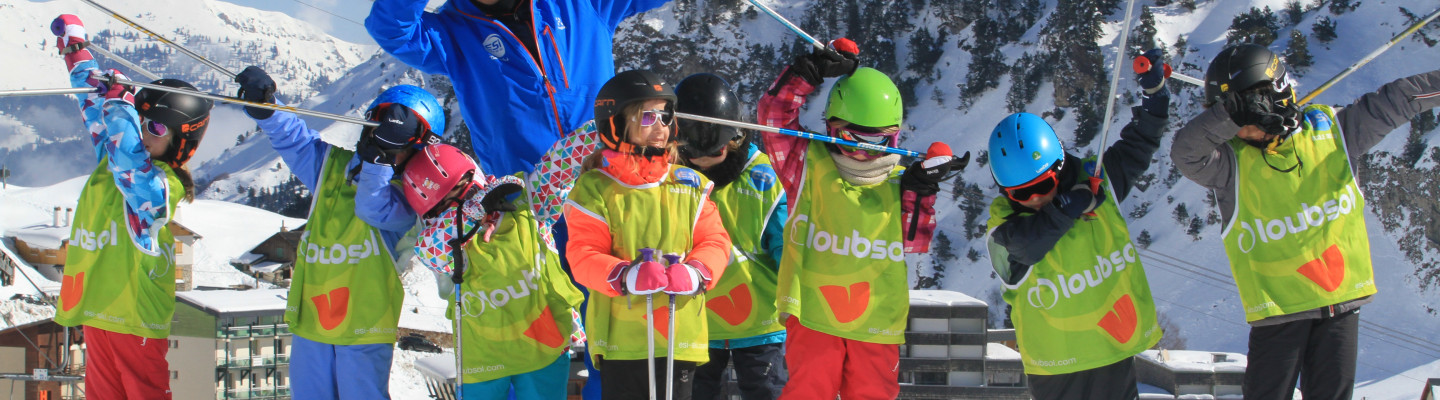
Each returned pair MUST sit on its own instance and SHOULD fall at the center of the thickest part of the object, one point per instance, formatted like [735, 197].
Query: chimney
[282, 225]
[68, 212]
[57, 216]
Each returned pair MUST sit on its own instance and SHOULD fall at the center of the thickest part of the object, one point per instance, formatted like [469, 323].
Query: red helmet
[432, 173]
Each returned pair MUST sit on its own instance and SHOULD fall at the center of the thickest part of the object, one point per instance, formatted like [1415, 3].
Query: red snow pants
[823, 365]
[123, 366]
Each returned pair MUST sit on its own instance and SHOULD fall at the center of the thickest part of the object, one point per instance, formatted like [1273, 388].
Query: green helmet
[868, 98]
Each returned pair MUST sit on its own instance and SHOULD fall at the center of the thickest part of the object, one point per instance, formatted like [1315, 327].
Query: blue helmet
[1022, 147]
[419, 100]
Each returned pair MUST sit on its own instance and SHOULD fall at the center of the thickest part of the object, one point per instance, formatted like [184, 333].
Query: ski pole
[162, 39]
[1187, 79]
[122, 61]
[1110, 99]
[801, 134]
[457, 276]
[787, 24]
[1368, 58]
[44, 92]
[671, 259]
[268, 106]
[650, 340]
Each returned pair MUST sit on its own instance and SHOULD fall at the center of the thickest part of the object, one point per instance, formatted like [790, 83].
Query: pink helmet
[432, 173]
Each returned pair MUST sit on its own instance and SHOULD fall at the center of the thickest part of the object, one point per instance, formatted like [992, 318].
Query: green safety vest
[109, 283]
[1298, 240]
[843, 269]
[742, 304]
[661, 216]
[344, 290]
[1087, 303]
[517, 301]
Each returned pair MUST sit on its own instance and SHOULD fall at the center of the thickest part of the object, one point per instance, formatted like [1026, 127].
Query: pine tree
[1324, 29]
[1144, 38]
[1295, 11]
[1181, 214]
[1256, 26]
[1298, 53]
[1144, 240]
[1195, 226]
[1339, 7]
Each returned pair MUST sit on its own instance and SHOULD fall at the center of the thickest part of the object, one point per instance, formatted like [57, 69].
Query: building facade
[230, 344]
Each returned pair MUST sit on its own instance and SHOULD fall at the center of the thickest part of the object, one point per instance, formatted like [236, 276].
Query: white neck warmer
[865, 173]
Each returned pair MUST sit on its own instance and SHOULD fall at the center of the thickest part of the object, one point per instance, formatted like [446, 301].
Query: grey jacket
[1202, 151]
[1025, 238]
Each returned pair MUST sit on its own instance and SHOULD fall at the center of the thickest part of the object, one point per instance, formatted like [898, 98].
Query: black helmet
[620, 91]
[183, 115]
[1241, 67]
[706, 95]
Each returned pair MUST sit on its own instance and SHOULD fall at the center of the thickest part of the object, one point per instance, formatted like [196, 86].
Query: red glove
[70, 39]
[104, 83]
[687, 278]
[643, 276]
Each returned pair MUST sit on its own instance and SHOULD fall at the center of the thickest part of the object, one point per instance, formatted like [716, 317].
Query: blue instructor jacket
[515, 107]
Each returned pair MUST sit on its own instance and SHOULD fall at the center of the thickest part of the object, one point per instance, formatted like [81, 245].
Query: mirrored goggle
[650, 117]
[156, 129]
[1040, 186]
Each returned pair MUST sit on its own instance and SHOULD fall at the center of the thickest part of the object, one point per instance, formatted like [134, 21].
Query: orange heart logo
[332, 307]
[71, 289]
[1121, 321]
[661, 323]
[735, 307]
[847, 305]
[1328, 271]
[543, 330]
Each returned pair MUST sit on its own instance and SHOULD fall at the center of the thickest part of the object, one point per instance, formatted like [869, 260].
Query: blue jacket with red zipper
[515, 106]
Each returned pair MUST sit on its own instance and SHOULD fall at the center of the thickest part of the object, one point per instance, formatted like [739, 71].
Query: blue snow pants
[320, 371]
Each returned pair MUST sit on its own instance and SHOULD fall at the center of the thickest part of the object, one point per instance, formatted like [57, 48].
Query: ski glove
[491, 197]
[256, 87]
[1079, 201]
[1255, 107]
[687, 278]
[70, 38]
[105, 83]
[918, 186]
[397, 131]
[643, 276]
[1152, 72]
[839, 59]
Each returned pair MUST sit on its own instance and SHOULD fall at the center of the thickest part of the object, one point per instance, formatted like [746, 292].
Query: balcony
[273, 393]
[253, 331]
[271, 360]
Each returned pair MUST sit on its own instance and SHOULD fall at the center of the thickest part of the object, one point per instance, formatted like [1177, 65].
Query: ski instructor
[1285, 174]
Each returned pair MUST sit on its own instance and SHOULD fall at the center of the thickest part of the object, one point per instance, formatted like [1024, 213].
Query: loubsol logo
[1047, 293]
[1309, 216]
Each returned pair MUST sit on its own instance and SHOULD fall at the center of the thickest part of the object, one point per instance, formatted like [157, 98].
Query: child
[516, 314]
[842, 276]
[1050, 234]
[630, 201]
[123, 291]
[1271, 162]
[744, 323]
[345, 294]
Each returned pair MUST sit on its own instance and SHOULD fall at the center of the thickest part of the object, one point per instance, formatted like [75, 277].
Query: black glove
[1152, 71]
[492, 197]
[257, 87]
[398, 128]
[840, 59]
[1078, 201]
[924, 180]
[1260, 109]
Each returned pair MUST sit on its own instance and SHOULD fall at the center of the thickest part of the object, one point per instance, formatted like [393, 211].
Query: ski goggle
[156, 129]
[650, 117]
[1040, 186]
[467, 187]
[423, 134]
[864, 135]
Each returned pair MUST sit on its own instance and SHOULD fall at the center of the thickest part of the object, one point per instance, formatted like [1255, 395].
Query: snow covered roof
[41, 235]
[942, 298]
[177, 229]
[440, 367]
[266, 267]
[1196, 361]
[997, 351]
[235, 301]
[247, 258]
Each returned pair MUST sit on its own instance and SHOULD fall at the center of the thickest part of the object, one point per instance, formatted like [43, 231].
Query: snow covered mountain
[42, 142]
[961, 64]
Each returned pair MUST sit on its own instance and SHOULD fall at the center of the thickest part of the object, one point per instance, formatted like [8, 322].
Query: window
[174, 374]
[174, 344]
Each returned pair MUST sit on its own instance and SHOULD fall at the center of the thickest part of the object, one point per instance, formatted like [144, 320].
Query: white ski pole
[1368, 58]
[122, 61]
[1110, 99]
[229, 99]
[671, 259]
[162, 39]
[801, 134]
[786, 22]
[44, 92]
[650, 340]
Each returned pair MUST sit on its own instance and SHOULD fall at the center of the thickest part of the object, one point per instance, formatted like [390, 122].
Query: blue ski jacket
[515, 106]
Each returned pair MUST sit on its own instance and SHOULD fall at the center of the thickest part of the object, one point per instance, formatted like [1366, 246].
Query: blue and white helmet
[1022, 147]
[418, 100]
